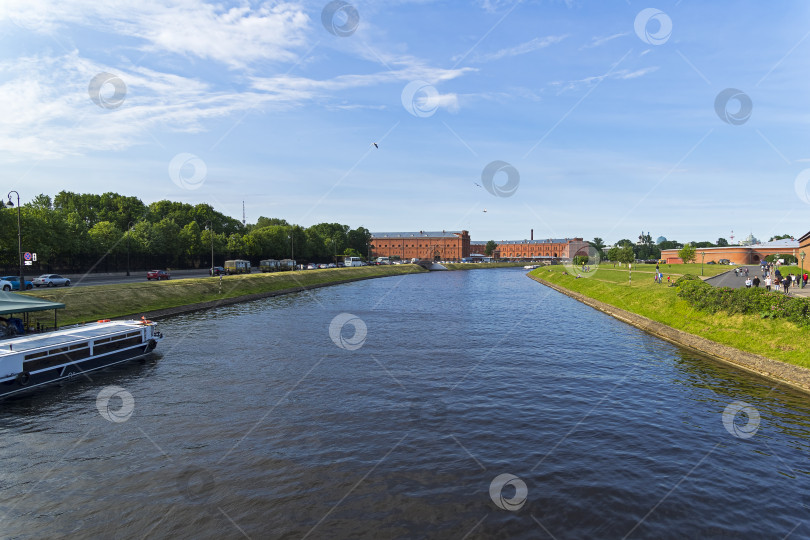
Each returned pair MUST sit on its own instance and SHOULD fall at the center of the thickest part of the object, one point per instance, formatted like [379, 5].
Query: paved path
[728, 279]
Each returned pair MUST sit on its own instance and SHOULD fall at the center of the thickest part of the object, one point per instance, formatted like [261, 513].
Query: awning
[17, 303]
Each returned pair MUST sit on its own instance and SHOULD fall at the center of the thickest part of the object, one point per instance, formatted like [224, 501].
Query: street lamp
[801, 254]
[334, 246]
[19, 236]
[129, 229]
[211, 234]
[702, 258]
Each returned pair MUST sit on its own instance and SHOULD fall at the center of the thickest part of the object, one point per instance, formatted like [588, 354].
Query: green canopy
[17, 303]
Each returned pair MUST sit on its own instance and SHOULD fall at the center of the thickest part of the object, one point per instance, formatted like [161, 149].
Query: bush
[745, 301]
[687, 277]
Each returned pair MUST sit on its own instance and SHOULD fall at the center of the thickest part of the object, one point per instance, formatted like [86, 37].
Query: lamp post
[292, 244]
[702, 258]
[334, 247]
[19, 237]
[801, 254]
[129, 229]
[211, 234]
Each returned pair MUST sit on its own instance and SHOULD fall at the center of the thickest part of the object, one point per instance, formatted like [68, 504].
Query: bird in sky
[485, 210]
[375, 145]
[477, 184]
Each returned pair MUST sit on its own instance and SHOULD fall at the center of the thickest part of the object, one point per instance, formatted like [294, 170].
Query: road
[736, 282]
[79, 280]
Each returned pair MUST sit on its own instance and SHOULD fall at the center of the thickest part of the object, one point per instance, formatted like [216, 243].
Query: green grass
[91, 303]
[677, 270]
[776, 339]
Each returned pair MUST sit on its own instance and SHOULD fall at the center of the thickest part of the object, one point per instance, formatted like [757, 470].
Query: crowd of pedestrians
[772, 277]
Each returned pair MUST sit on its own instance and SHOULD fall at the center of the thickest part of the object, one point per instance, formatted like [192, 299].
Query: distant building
[456, 245]
[804, 246]
[660, 239]
[431, 245]
[753, 254]
[750, 240]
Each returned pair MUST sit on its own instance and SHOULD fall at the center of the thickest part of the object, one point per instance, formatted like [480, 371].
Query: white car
[51, 280]
[6, 285]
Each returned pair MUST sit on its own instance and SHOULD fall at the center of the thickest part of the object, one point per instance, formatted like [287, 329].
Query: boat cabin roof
[66, 336]
[18, 303]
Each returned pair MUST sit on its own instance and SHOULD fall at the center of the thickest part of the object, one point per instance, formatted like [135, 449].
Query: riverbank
[165, 298]
[776, 349]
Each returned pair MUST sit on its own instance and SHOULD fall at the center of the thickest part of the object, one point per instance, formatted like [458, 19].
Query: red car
[157, 274]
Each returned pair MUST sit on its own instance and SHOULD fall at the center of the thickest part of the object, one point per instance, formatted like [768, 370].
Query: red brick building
[431, 245]
[551, 248]
[456, 245]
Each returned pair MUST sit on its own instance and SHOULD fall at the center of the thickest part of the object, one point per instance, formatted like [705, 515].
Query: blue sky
[604, 110]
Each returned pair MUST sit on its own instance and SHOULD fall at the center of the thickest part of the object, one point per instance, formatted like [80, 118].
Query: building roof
[785, 243]
[546, 241]
[417, 234]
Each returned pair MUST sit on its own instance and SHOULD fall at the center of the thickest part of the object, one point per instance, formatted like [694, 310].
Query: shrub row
[744, 301]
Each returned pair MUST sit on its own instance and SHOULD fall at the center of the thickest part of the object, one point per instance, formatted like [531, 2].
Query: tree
[613, 254]
[722, 242]
[267, 222]
[599, 245]
[490, 248]
[687, 253]
[670, 244]
[703, 244]
[625, 254]
[104, 238]
[780, 237]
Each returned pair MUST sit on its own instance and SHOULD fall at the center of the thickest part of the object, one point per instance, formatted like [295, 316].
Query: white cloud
[49, 114]
[234, 36]
[599, 41]
[622, 74]
[523, 48]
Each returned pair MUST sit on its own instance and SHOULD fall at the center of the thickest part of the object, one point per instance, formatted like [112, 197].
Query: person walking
[767, 283]
[747, 283]
[804, 282]
[776, 283]
[786, 284]
[755, 281]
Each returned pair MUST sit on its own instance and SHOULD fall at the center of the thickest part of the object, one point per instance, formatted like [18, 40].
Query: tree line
[80, 232]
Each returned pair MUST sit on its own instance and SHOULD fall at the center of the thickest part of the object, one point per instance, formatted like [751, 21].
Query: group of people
[772, 277]
[659, 277]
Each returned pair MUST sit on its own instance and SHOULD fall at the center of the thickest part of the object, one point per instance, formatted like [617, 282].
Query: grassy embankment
[773, 338]
[107, 301]
[477, 266]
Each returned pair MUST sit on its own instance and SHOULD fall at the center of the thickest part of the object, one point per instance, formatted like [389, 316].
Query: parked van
[353, 261]
[237, 266]
[269, 265]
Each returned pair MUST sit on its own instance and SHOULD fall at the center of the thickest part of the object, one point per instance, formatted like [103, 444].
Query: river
[474, 404]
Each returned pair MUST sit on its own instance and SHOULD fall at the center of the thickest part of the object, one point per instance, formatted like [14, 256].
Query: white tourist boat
[32, 360]
[531, 266]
